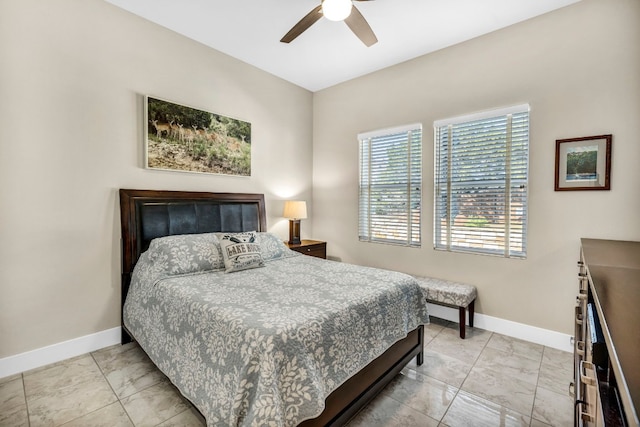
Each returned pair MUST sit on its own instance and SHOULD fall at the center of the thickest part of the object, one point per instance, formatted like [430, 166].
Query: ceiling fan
[335, 10]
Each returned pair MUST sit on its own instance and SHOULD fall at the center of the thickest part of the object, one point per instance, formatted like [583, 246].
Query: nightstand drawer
[314, 248]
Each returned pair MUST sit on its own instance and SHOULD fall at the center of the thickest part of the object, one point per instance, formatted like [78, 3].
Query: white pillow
[240, 251]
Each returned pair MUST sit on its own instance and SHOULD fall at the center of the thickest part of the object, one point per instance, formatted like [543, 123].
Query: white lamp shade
[295, 209]
[336, 10]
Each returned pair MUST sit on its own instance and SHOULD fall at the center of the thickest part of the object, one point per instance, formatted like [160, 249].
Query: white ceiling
[329, 53]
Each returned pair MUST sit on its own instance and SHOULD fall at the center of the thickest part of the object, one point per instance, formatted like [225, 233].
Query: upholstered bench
[452, 294]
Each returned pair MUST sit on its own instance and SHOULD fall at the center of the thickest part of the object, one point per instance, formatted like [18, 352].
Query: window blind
[390, 188]
[481, 179]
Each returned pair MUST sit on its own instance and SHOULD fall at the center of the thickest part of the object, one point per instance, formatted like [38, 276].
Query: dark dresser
[607, 334]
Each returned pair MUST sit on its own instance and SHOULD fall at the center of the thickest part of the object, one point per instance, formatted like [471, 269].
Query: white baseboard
[533, 334]
[54, 353]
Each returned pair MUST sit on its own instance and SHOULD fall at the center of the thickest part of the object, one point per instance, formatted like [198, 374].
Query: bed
[151, 220]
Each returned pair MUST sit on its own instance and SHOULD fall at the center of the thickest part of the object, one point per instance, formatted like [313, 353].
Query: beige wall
[579, 70]
[72, 76]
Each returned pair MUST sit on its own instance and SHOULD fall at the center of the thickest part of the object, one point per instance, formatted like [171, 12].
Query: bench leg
[420, 356]
[463, 321]
[471, 311]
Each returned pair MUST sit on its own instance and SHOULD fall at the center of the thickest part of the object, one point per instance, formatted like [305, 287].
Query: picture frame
[187, 139]
[583, 163]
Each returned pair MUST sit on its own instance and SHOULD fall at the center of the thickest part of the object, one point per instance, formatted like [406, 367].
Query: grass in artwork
[187, 139]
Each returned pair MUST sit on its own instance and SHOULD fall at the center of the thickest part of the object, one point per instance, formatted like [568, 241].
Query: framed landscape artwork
[186, 139]
[583, 163]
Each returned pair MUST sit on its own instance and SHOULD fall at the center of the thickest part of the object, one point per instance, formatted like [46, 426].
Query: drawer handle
[588, 378]
[586, 416]
[583, 285]
[587, 372]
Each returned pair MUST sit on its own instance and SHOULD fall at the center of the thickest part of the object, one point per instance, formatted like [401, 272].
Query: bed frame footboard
[359, 390]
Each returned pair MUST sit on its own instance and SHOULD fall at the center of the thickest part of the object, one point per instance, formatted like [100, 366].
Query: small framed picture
[583, 163]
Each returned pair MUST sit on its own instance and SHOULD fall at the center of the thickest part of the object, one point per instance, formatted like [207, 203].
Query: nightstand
[314, 248]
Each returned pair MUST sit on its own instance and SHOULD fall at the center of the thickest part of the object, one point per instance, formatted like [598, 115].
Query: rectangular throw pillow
[240, 251]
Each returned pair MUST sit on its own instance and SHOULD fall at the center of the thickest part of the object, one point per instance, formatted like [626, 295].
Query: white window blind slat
[391, 185]
[481, 173]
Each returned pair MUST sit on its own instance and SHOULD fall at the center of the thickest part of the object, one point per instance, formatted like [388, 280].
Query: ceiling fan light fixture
[336, 10]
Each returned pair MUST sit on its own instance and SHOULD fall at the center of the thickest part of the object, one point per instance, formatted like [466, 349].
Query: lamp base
[294, 232]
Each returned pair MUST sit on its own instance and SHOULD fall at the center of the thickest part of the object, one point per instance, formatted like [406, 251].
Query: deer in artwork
[200, 133]
[181, 132]
[161, 127]
[188, 137]
[211, 136]
[175, 130]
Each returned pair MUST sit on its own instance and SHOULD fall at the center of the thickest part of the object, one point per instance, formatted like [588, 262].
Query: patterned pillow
[240, 251]
[273, 247]
[186, 253]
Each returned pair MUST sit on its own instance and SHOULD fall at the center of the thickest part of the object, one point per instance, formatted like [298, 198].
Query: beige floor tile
[13, 407]
[442, 367]
[502, 389]
[509, 363]
[10, 378]
[71, 402]
[112, 415]
[555, 379]
[385, 411]
[516, 347]
[556, 371]
[189, 418]
[448, 342]
[553, 408]
[435, 326]
[470, 410]
[557, 358]
[65, 362]
[127, 368]
[15, 417]
[65, 391]
[537, 423]
[424, 394]
[154, 405]
[44, 381]
[11, 394]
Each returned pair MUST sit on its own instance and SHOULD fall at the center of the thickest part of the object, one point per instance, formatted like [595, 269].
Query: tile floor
[487, 379]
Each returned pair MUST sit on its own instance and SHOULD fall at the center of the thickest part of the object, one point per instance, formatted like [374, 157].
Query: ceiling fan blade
[303, 25]
[360, 27]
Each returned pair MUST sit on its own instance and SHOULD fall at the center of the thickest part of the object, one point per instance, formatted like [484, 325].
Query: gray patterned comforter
[266, 346]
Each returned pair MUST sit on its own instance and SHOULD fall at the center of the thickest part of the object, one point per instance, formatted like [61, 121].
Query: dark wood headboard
[147, 214]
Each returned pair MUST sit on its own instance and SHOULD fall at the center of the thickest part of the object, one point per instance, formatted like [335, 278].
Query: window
[391, 185]
[481, 172]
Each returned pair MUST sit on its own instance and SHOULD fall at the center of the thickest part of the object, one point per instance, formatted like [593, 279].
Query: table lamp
[295, 210]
